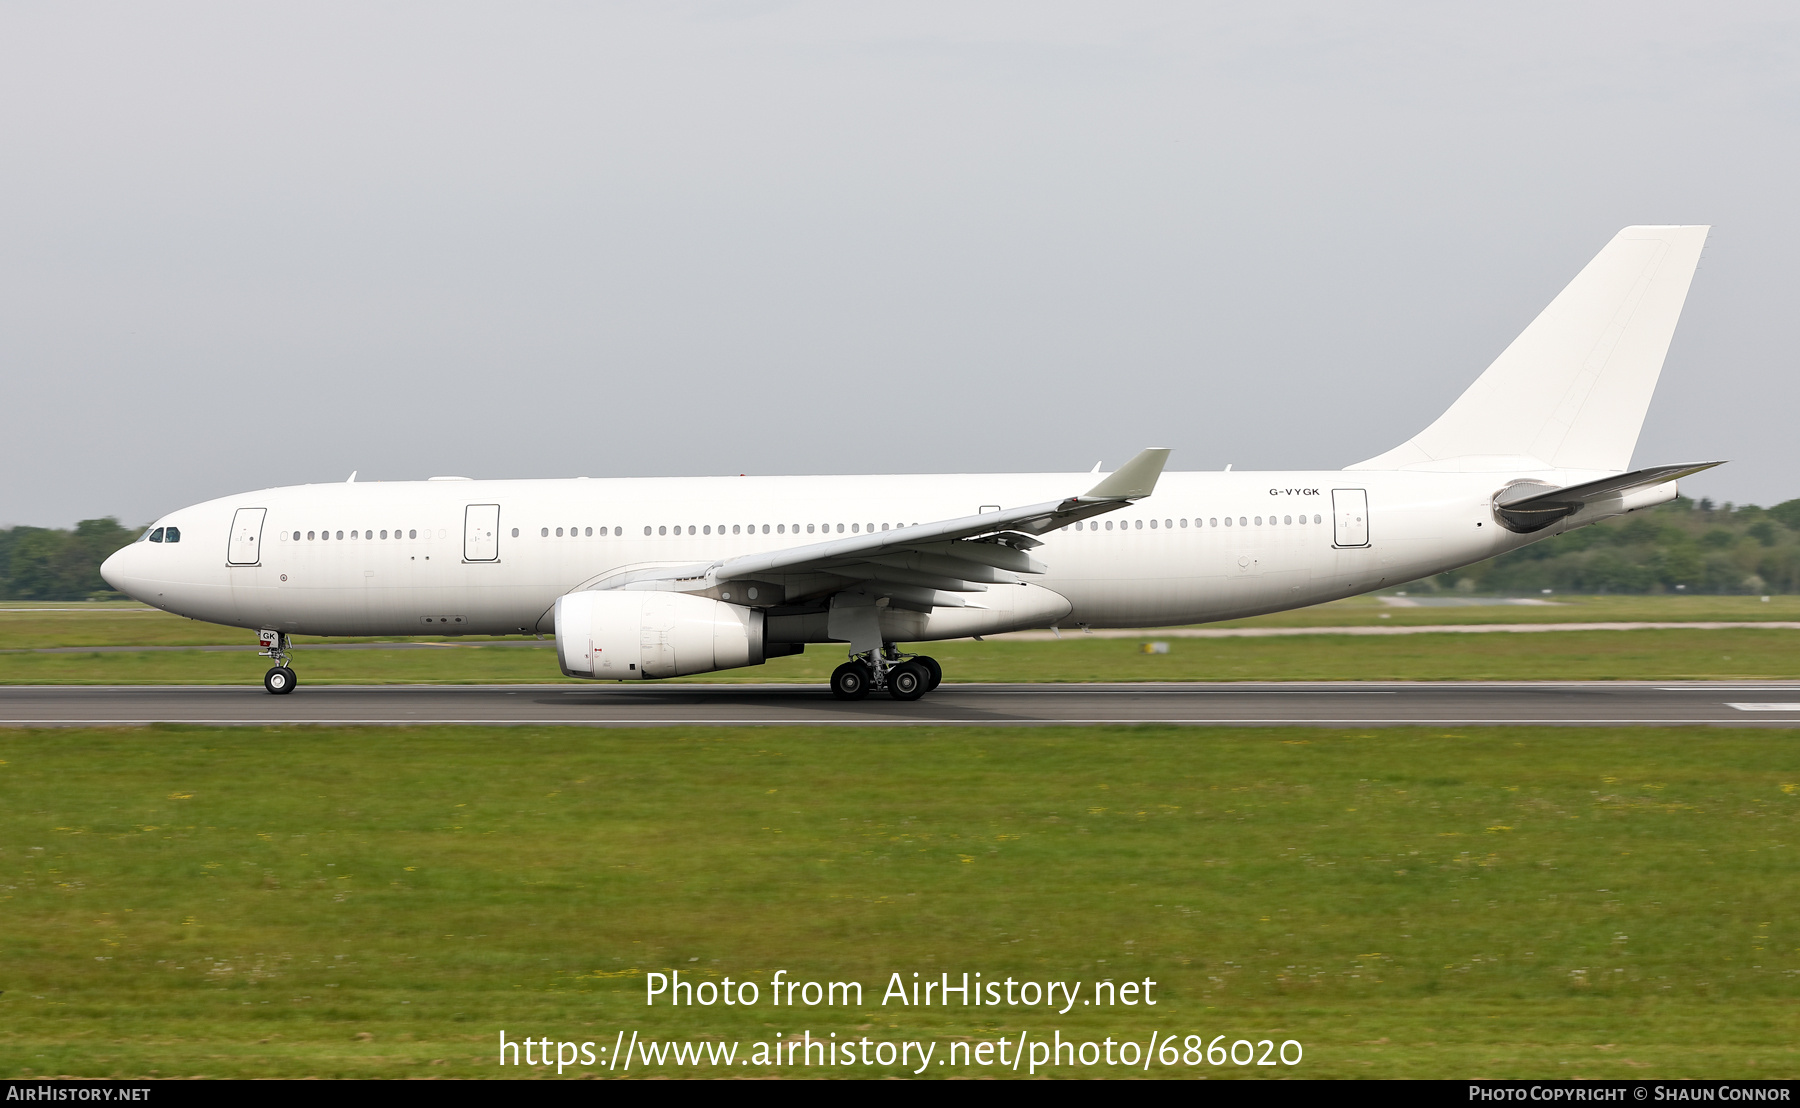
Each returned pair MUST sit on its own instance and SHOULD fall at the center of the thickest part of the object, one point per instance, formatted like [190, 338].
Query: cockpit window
[156, 535]
[172, 534]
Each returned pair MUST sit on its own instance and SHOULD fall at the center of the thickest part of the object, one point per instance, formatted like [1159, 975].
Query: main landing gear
[281, 677]
[904, 678]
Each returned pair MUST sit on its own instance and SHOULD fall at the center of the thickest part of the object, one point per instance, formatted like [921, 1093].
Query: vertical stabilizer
[1572, 390]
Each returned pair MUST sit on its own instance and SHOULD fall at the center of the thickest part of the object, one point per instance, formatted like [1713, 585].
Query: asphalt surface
[1744, 703]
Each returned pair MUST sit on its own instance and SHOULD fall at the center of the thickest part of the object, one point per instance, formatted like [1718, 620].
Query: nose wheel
[281, 678]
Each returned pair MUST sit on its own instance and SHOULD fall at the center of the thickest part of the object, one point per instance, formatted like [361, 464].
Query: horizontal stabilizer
[1527, 506]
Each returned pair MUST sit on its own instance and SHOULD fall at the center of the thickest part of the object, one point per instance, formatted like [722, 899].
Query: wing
[1532, 506]
[920, 567]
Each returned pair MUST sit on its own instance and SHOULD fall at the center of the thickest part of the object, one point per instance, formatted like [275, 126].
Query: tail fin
[1572, 390]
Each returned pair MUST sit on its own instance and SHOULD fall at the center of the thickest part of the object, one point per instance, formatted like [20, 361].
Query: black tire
[851, 681]
[932, 670]
[908, 681]
[280, 680]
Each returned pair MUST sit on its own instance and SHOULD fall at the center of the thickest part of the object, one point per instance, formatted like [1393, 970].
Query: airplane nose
[112, 571]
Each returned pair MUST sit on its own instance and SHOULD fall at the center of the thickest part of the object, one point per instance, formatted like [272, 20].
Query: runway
[1349, 704]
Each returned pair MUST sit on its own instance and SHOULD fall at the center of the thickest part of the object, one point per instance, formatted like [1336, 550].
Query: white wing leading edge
[919, 567]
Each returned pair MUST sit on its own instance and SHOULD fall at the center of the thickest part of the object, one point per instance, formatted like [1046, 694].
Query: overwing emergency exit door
[246, 537]
[1350, 517]
[481, 533]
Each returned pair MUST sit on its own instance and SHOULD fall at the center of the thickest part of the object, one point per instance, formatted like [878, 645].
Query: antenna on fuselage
[350, 480]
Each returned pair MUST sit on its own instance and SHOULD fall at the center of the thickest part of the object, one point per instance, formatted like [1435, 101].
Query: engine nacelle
[628, 636]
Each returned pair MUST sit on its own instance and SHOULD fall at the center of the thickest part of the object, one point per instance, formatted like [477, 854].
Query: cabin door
[481, 533]
[246, 537]
[1350, 517]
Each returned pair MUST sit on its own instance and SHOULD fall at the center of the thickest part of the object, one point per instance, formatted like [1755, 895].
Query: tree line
[44, 563]
[1684, 546]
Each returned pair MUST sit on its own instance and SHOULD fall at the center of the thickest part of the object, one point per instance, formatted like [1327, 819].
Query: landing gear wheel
[933, 672]
[279, 680]
[851, 681]
[908, 681]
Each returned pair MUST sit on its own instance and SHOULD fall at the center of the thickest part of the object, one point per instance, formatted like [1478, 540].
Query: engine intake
[630, 635]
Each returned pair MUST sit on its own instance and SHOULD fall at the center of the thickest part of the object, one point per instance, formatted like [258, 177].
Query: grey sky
[246, 245]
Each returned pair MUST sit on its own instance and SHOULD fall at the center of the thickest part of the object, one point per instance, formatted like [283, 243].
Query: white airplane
[659, 577]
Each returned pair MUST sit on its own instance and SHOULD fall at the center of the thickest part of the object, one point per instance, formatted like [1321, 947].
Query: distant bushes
[40, 563]
[1681, 546]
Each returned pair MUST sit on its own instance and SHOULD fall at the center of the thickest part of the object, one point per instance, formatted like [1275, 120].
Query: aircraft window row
[1210, 521]
[340, 536]
[163, 534]
[573, 532]
[768, 528]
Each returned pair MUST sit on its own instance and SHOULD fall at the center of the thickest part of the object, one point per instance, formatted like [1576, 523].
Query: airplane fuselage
[403, 558]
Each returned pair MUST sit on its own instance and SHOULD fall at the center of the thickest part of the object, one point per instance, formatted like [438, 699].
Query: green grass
[1405, 902]
[1586, 655]
[1362, 610]
[35, 625]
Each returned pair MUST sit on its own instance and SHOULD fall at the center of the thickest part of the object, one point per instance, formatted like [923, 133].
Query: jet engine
[628, 635]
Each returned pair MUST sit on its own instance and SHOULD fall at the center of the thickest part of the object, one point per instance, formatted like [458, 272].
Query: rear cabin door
[246, 537]
[1350, 517]
[481, 533]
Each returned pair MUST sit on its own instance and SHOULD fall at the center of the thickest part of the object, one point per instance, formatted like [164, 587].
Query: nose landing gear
[281, 677]
[903, 678]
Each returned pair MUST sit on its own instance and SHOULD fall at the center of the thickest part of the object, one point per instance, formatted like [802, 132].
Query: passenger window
[1287, 519]
[1109, 524]
[409, 534]
[1153, 525]
[663, 530]
[618, 530]
[1168, 523]
[156, 535]
[809, 528]
[781, 528]
[1228, 521]
[544, 532]
[737, 528]
[1140, 525]
[707, 530]
[646, 530]
[515, 533]
[840, 528]
[1184, 522]
[559, 532]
